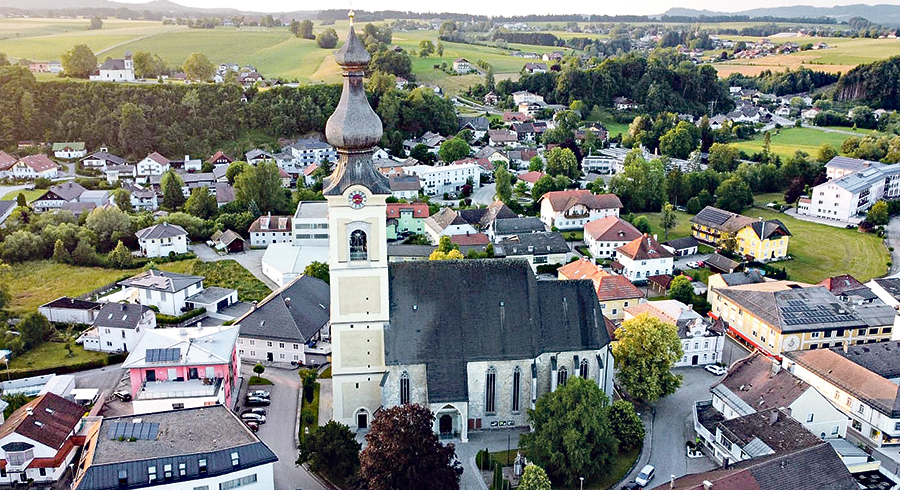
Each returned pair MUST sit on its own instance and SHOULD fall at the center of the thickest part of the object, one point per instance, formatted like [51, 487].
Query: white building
[405, 186]
[525, 97]
[118, 327]
[34, 167]
[142, 198]
[69, 150]
[861, 382]
[855, 186]
[605, 235]
[542, 248]
[644, 257]
[572, 209]
[70, 310]
[152, 164]
[200, 448]
[58, 195]
[290, 325]
[162, 240]
[462, 66]
[102, 159]
[116, 70]
[269, 229]
[167, 291]
[701, 339]
[448, 179]
[284, 261]
[447, 222]
[309, 151]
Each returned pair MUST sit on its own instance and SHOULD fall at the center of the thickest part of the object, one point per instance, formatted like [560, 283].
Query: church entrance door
[446, 424]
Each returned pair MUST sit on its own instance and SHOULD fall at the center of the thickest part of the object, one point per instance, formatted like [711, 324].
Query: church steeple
[354, 129]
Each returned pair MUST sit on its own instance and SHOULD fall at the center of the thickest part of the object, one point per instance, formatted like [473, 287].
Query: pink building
[175, 368]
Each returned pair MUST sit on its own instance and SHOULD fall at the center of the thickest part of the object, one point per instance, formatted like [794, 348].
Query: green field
[787, 141]
[29, 195]
[52, 355]
[682, 225]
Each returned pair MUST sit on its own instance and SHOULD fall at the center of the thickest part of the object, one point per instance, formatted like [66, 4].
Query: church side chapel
[476, 341]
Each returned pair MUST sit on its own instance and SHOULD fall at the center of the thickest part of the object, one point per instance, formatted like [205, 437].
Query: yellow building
[759, 238]
[784, 316]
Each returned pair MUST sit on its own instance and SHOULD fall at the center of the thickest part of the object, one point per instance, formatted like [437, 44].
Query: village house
[758, 238]
[70, 310]
[405, 186]
[152, 164]
[682, 247]
[220, 158]
[625, 104]
[187, 367]
[256, 155]
[288, 325]
[34, 167]
[462, 66]
[227, 241]
[447, 222]
[69, 151]
[854, 185]
[167, 291]
[478, 126]
[541, 248]
[406, 219]
[448, 179]
[102, 159]
[269, 229]
[116, 70]
[530, 178]
[532, 68]
[501, 229]
[207, 447]
[614, 292]
[56, 196]
[162, 240]
[118, 327]
[39, 441]
[312, 151]
[603, 236]
[142, 198]
[702, 339]
[282, 262]
[642, 258]
[572, 209]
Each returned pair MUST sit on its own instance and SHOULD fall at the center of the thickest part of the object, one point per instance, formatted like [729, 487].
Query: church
[476, 341]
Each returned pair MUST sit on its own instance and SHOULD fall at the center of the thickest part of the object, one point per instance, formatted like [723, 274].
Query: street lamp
[582, 482]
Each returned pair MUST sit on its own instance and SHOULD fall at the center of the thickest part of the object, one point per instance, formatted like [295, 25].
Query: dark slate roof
[161, 280]
[106, 156]
[294, 313]
[740, 278]
[185, 436]
[111, 64]
[162, 230]
[478, 123]
[518, 225]
[767, 228]
[720, 262]
[682, 243]
[891, 285]
[71, 304]
[401, 250]
[882, 358]
[751, 379]
[119, 315]
[542, 243]
[482, 218]
[6, 206]
[68, 191]
[500, 311]
[772, 427]
[795, 309]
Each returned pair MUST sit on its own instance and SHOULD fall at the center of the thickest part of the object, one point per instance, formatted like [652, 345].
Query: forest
[878, 84]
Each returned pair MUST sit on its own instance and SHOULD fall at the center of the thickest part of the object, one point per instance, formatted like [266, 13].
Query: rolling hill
[883, 14]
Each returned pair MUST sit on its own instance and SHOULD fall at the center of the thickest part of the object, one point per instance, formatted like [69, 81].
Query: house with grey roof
[502, 229]
[102, 159]
[539, 248]
[115, 70]
[289, 325]
[167, 291]
[6, 209]
[58, 195]
[70, 310]
[162, 240]
[117, 327]
[203, 447]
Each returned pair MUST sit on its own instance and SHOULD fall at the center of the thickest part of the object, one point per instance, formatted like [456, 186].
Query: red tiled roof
[278, 224]
[156, 157]
[217, 155]
[516, 116]
[663, 280]
[310, 169]
[644, 248]
[580, 269]
[564, 200]
[56, 461]
[6, 160]
[51, 421]
[611, 228]
[532, 176]
[476, 239]
[39, 162]
[419, 209]
[612, 287]
[502, 135]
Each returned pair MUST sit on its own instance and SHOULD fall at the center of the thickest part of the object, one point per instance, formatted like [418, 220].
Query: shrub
[164, 319]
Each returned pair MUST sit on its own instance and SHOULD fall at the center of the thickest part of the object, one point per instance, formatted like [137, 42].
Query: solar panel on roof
[163, 355]
[144, 431]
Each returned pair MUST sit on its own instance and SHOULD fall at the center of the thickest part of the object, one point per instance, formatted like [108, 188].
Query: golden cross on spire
[351, 14]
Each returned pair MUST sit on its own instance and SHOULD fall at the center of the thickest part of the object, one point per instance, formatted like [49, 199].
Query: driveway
[681, 262]
[250, 260]
[6, 189]
[484, 194]
[278, 431]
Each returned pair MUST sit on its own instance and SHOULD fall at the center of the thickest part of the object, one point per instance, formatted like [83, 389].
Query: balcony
[576, 214]
[157, 390]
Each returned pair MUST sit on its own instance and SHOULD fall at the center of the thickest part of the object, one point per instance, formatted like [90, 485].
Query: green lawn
[309, 413]
[230, 274]
[682, 225]
[29, 195]
[53, 354]
[787, 141]
[258, 380]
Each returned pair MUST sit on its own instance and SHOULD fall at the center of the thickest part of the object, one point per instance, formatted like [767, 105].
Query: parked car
[256, 401]
[631, 486]
[693, 265]
[253, 417]
[258, 411]
[645, 475]
[259, 393]
[252, 425]
[122, 396]
[716, 369]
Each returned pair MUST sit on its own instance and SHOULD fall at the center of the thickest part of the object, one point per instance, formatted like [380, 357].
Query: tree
[34, 329]
[534, 478]
[332, 450]
[446, 250]
[536, 164]
[235, 169]
[403, 452]
[173, 196]
[120, 256]
[453, 150]
[84, 254]
[308, 380]
[306, 30]
[571, 437]
[542, 186]
[262, 185]
[642, 223]
[96, 23]
[646, 350]
[20, 201]
[79, 62]
[669, 219]
[201, 203]
[20, 246]
[826, 153]
[878, 214]
[426, 48]
[440, 48]
[109, 226]
[60, 254]
[693, 205]
[680, 289]
[734, 195]
[626, 425]
[134, 133]
[641, 185]
[795, 190]
[723, 158]
[198, 67]
[562, 161]
[122, 199]
[318, 270]
[327, 39]
[259, 369]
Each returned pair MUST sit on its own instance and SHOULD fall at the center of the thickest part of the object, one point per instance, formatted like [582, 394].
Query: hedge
[172, 320]
[71, 368]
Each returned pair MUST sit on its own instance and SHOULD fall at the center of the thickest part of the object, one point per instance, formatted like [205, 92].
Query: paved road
[892, 239]
[493, 440]
[6, 189]
[484, 194]
[250, 260]
[278, 431]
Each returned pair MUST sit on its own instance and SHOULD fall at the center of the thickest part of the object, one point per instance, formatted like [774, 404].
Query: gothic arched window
[583, 369]
[517, 382]
[562, 376]
[490, 397]
[359, 249]
[404, 388]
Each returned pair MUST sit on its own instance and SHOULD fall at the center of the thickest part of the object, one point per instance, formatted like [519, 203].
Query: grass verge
[29, 195]
[258, 380]
[617, 472]
[309, 413]
[326, 374]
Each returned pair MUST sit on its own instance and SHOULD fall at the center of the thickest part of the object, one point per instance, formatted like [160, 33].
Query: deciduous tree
[680, 289]
[262, 185]
[734, 195]
[669, 219]
[503, 181]
[723, 158]
[198, 67]
[201, 203]
[120, 256]
[134, 133]
[60, 254]
[403, 452]
[34, 329]
[446, 250]
[626, 425]
[534, 478]
[571, 436]
[96, 23]
[79, 62]
[878, 214]
[646, 350]
[109, 225]
[562, 161]
[454, 149]
[327, 39]
[21, 245]
[331, 450]
[318, 270]
[122, 199]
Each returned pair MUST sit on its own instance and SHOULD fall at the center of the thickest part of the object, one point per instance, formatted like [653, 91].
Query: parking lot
[278, 431]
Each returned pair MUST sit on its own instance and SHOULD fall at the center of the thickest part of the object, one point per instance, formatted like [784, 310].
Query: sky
[643, 7]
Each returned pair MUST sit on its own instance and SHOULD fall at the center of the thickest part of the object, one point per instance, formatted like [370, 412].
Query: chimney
[776, 367]
[654, 238]
[104, 149]
[707, 485]
[29, 411]
[186, 158]
[123, 306]
[287, 302]
[845, 347]
[773, 417]
[671, 481]
[690, 307]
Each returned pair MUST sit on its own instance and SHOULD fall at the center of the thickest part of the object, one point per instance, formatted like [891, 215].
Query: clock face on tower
[357, 199]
